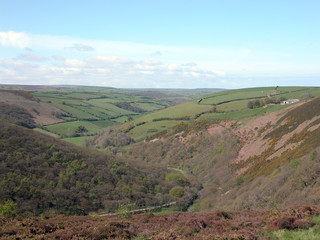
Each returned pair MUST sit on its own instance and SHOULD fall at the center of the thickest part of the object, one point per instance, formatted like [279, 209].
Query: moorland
[228, 164]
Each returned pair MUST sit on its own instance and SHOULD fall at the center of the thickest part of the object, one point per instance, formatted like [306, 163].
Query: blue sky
[166, 44]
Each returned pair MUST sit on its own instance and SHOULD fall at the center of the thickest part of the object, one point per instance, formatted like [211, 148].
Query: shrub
[306, 96]
[250, 105]
[176, 192]
[294, 163]
[8, 209]
[291, 223]
[176, 177]
[124, 210]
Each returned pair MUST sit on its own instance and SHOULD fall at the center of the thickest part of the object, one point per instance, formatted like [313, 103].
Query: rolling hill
[234, 150]
[60, 110]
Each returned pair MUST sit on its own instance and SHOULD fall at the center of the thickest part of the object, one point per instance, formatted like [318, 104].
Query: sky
[160, 44]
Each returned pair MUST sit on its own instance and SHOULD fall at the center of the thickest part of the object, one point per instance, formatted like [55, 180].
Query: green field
[252, 93]
[46, 132]
[69, 128]
[153, 111]
[77, 140]
[231, 105]
[244, 114]
[110, 106]
[148, 106]
[188, 109]
[104, 123]
[171, 117]
[238, 95]
[151, 128]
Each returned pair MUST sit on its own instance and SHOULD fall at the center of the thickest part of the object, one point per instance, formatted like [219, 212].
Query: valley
[223, 156]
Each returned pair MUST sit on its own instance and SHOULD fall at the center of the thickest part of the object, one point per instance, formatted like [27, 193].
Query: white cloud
[74, 63]
[173, 67]
[147, 72]
[219, 73]
[58, 58]
[14, 39]
[156, 54]
[102, 60]
[31, 58]
[81, 47]
[195, 74]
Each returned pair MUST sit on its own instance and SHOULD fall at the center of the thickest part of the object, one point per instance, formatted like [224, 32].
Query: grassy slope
[312, 233]
[70, 127]
[231, 104]
[184, 110]
[46, 132]
[76, 140]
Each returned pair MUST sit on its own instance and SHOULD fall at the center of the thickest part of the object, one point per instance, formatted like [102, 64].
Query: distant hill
[61, 110]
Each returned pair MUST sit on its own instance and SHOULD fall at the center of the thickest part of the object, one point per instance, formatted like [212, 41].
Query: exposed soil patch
[215, 129]
[253, 133]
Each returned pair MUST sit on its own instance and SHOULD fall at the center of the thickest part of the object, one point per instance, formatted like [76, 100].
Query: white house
[289, 101]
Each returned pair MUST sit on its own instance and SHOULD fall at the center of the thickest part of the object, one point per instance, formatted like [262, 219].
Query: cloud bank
[42, 59]
[106, 71]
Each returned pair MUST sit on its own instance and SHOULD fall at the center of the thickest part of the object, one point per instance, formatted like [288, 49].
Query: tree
[306, 96]
[81, 129]
[281, 99]
[250, 105]
[257, 103]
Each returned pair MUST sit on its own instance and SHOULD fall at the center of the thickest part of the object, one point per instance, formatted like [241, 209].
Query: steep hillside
[42, 174]
[241, 165]
[279, 158]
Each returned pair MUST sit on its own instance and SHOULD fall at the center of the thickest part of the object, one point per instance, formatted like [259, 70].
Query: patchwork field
[223, 105]
[62, 110]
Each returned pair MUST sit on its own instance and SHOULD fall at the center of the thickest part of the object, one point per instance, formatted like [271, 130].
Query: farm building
[289, 101]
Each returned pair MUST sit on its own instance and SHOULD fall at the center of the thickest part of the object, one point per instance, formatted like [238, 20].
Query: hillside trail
[141, 209]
